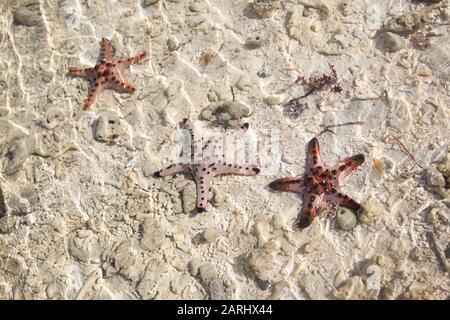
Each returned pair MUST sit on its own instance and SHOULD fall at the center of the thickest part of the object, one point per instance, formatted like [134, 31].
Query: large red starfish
[319, 184]
[109, 74]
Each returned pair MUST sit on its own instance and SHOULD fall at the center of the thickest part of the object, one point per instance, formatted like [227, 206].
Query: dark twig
[327, 128]
[406, 150]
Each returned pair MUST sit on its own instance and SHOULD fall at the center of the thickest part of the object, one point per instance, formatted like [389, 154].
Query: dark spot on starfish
[256, 170]
[304, 222]
[325, 174]
[200, 210]
[157, 174]
[342, 167]
[310, 205]
[359, 158]
[333, 172]
[340, 195]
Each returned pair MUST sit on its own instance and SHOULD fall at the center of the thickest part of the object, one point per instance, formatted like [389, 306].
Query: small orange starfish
[106, 75]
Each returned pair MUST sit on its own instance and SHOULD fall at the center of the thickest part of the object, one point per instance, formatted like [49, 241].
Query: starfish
[215, 163]
[319, 184]
[108, 74]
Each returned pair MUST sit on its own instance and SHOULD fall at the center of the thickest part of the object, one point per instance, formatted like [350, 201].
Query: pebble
[211, 282]
[265, 8]
[228, 113]
[346, 219]
[188, 197]
[29, 14]
[156, 280]
[405, 23]
[210, 235]
[147, 3]
[372, 211]
[152, 235]
[394, 42]
[423, 70]
[256, 40]
[108, 127]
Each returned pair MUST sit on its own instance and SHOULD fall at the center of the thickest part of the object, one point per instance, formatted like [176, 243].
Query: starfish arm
[311, 204]
[171, 170]
[288, 184]
[235, 169]
[94, 91]
[81, 72]
[133, 60]
[313, 155]
[342, 200]
[106, 50]
[203, 182]
[124, 86]
[348, 165]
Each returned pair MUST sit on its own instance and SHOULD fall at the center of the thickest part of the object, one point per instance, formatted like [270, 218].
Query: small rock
[84, 246]
[434, 178]
[173, 44]
[29, 14]
[371, 211]
[210, 235]
[189, 197]
[147, 3]
[129, 260]
[346, 219]
[296, 25]
[6, 224]
[316, 26]
[394, 42]
[263, 262]
[423, 70]
[373, 282]
[53, 291]
[226, 113]
[219, 195]
[109, 127]
[156, 280]
[255, 41]
[152, 235]
[54, 117]
[211, 282]
[405, 23]
[265, 8]
[193, 267]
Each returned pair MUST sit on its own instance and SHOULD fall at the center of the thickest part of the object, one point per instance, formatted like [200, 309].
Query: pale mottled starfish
[210, 166]
[109, 74]
[319, 184]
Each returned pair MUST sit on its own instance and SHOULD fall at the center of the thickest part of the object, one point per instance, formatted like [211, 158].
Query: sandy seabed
[82, 217]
